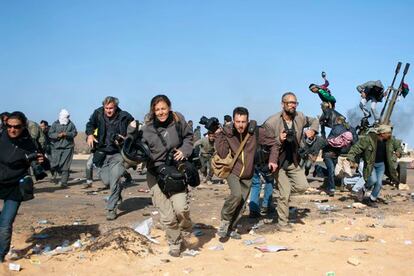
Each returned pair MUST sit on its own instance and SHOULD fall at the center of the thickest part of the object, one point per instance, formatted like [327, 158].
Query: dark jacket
[97, 121]
[367, 148]
[229, 140]
[182, 141]
[13, 163]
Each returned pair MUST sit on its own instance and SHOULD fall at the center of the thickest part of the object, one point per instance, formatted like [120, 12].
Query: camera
[290, 135]
[38, 170]
[211, 124]
[116, 139]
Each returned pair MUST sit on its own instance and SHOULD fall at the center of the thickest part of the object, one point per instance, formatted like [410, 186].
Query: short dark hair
[241, 111]
[288, 94]
[46, 123]
[227, 118]
[19, 116]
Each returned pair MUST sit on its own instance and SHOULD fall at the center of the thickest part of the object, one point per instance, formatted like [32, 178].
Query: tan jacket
[274, 125]
[230, 139]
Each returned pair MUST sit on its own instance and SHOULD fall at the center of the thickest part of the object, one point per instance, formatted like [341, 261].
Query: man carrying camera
[229, 140]
[112, 124]
[288, 125]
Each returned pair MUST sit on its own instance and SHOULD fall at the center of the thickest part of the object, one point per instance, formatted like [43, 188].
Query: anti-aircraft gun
[386, 112]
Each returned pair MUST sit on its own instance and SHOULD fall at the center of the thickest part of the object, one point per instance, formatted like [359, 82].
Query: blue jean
[330, 172]
[255, 193]
[376, 180]
[7, 216]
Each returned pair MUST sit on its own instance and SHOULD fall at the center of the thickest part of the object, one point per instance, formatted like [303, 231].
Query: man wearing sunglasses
[288, 126]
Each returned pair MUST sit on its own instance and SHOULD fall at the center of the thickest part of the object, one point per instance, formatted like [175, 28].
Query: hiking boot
[235, 235]
[369, 202]
[223, 229]
[284, 228]
[111, 215]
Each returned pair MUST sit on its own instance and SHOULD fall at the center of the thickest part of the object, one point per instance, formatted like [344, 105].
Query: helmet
[134, 151]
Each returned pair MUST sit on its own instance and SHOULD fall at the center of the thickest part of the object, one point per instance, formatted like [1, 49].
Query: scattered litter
[144, 228]
[312, 190]
[326, 207]
[258, 255]
[77, 244]
[319, 200]
[188, 270]
[213, 218]
[353, 261]
[258, 225]
[154, 213]
[218, 247]
[143, 191]
[165, 260]
[67, 196]
[248, 266]
[35, 261]
[358, 205]
[190, 253]
[41, 236]
[355, 238]
[14, 267]
[271, 248]
[37, 249]
[382, 241]
[330, 273]
[408, 242]
[259, 240]
[198, 233]
[43, 221]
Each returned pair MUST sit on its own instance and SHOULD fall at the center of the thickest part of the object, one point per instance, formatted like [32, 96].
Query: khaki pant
[292, 179]
[174, 212]
[235, 203]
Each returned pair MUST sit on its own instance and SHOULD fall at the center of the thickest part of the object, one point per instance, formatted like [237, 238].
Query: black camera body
[211, 124]
[116, 139]
[38, 170]
[290, 135]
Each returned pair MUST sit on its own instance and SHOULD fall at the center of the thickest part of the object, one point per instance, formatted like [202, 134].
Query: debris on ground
[355, 238]
[272, 248]
[353, 261]
[218, 247]
[14, 267]
[190, 253]
[144, 228]
[123, 239]
[358, 205]
[258, 240]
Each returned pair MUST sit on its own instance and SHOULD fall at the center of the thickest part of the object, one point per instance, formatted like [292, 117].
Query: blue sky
[207, 56]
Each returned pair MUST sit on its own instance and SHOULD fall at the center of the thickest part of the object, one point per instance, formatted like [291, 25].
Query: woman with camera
[170, 141]
[17, 151]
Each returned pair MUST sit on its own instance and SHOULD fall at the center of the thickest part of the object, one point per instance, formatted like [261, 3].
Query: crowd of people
[277, 155]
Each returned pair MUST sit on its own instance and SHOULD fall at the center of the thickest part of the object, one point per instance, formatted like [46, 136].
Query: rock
[353, 261]
[358, 205]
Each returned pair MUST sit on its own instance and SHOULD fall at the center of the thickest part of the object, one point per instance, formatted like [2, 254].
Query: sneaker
[223, 229]
[235, 235]
[174, 252]
[284, 228]
[369, 202]
[330, 193]
[111, 215]
[360, 195]
[263, 211]
[88, 184]
[63, 185]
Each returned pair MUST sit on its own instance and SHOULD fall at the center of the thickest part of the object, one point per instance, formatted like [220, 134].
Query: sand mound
[124, 239]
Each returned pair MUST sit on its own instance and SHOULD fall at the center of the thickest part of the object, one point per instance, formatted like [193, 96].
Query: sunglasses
[291, 103]
[14, 126]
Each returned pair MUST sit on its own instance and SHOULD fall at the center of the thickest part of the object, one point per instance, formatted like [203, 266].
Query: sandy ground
[76, 213]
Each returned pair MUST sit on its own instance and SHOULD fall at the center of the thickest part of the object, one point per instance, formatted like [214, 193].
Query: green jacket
[326, 96]
[366, 148]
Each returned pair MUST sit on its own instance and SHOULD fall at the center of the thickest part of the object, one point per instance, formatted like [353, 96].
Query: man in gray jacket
[288, 127]
[62, 134]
